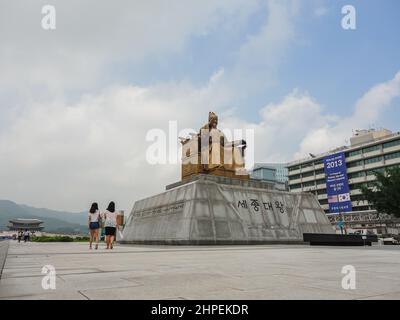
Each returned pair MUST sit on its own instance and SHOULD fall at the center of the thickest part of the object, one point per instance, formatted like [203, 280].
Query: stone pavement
[201, 272]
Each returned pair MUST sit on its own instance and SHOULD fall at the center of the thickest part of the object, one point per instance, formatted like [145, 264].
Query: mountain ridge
[54, 221]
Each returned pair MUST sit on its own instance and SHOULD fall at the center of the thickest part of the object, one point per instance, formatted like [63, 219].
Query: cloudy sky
[77, 102]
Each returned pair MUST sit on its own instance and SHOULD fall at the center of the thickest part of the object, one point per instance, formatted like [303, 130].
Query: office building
[369, 151]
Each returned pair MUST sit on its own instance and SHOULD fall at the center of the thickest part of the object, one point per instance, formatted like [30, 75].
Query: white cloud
[61, 154]
[258, 58]
[367, 110]
[92, 36]
[283, 125]
[376, 99]
[65, 156]
[299, 125]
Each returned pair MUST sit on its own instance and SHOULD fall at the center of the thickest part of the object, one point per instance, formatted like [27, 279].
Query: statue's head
[212, 120]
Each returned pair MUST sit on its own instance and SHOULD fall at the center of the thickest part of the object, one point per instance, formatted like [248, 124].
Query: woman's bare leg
[90, 239]
[111, 241]
[96, 236]
[108, 242]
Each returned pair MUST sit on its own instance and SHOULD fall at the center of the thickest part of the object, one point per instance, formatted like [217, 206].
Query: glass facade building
[271, 172]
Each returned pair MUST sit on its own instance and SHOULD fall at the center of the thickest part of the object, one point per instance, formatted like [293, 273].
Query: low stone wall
[3, 254]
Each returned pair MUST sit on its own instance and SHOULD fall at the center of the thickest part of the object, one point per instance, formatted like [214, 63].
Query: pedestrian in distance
[26, 235]
[110, 223]
[94, 224]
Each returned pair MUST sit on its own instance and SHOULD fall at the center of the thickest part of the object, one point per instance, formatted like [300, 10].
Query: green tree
[384, 193]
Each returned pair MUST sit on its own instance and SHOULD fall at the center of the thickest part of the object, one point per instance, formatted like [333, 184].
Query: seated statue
[209, 152]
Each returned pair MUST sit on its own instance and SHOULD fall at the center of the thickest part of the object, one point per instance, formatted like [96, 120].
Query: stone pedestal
[211, 210]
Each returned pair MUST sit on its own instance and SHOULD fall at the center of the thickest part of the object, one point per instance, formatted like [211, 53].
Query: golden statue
[209, 152]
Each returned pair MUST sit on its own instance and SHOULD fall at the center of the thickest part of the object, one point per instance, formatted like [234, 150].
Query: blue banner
[337, 186]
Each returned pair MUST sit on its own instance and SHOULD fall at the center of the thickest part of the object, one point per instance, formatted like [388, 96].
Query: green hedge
[81, 239]
[58, 239]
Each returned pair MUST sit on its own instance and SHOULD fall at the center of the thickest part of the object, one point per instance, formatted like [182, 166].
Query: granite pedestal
[210, 210]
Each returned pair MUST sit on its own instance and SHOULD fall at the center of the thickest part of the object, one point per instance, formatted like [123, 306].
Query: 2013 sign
[334, 164]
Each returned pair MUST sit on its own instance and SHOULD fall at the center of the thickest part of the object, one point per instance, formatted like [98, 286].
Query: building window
[294, 168]
[322, 191]
[373, 172]
[355, 186]
[295, 186]
[373, 160]
[373, 148]
[355, 164]
[296, 176]
[323, 201]
[356, 175]
[320, 181]
[321, 161]
[358, 197]
[308, 184]
[354, 153]
[392, 155]
[306, 165]
[391, 144]
[319, 171]
[308, 174]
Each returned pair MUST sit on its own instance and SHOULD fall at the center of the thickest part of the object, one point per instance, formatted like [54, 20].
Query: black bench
[323, 239]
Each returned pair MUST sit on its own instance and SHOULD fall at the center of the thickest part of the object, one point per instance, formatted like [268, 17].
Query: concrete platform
[200, 272]
[211, 210]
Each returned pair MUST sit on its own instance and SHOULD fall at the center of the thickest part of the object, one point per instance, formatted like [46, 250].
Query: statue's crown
[212, 115]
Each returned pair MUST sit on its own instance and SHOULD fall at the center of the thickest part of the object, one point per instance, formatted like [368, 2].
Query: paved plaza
[200, 272]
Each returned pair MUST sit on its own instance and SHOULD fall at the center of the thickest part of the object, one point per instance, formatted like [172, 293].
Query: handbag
[101, 221]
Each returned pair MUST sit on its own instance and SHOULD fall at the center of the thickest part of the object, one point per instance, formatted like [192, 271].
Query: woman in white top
[110, 223]
[94, 224]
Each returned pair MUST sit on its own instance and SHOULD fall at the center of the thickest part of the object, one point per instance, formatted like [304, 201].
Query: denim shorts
[94, 226]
